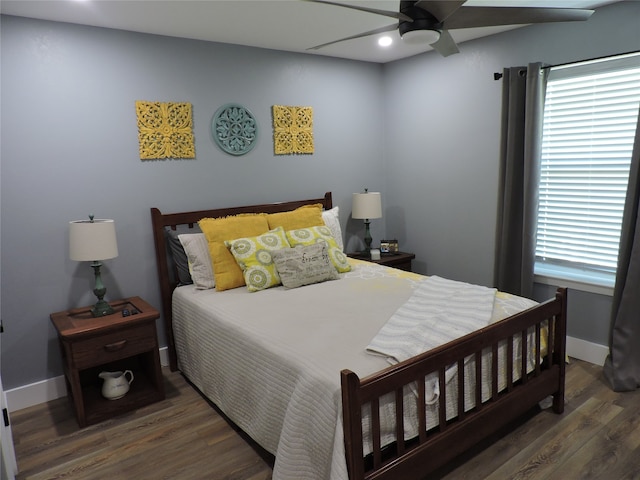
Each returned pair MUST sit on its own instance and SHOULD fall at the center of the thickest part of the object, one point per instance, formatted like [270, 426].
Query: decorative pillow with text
[304, 265]
[311, 235]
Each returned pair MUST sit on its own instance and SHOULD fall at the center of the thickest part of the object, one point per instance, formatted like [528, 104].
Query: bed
[296, 368]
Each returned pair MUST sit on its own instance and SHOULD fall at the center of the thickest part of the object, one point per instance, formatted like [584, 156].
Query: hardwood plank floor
[595, 438]
[184, 438]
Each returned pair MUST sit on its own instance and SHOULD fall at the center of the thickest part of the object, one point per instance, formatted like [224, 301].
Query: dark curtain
[523, 91]
[622, 366]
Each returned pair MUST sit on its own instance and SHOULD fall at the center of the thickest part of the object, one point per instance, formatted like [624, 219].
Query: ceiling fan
[427, 22]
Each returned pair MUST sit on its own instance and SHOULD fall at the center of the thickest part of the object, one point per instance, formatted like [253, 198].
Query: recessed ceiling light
[385, 41]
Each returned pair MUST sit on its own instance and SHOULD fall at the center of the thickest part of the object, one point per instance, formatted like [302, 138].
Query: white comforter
[271, 360]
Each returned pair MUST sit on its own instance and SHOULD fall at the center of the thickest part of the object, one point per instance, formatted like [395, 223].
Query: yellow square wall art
[165, 130]
[292, 130]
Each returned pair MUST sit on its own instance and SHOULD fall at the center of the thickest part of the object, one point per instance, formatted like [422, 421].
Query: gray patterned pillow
[197, 250]
[304, 265]
[178, 254]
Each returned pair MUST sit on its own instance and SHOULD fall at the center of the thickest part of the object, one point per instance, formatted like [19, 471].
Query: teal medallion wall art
[234, 129]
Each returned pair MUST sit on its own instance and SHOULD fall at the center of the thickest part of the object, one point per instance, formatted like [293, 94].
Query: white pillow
[197, 249]
[332, 220]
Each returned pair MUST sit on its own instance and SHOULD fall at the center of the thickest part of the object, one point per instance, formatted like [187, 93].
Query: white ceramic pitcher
[116, 384]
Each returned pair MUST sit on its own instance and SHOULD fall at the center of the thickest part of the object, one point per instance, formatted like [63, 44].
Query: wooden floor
[184, 438]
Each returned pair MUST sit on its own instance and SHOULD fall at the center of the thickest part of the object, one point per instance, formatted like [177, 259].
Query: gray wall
[424, 131]
[70, 148]
[442, 147]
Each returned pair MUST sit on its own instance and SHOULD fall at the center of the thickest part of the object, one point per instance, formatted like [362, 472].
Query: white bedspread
[271, 360]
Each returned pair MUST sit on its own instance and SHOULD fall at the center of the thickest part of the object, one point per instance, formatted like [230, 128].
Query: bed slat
[494, 371]
[538, 346]
[478, 362]
[461, 390]
[422, 419]
[400, 423]
[442, 401]
[523, 360]
[375, 433]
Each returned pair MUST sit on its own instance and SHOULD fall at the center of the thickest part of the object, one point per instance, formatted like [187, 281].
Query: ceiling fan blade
[470, 17]
[445, 46]
[388, 28]
[441, 9]
[386, 13]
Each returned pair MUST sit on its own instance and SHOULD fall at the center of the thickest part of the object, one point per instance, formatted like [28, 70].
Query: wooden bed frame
[432, 449]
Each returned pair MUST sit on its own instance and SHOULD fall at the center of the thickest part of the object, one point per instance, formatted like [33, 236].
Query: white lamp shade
[91, 241]
[366, 205]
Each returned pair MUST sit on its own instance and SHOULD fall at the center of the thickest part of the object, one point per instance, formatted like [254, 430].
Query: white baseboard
[52, 388]
[164, 356]
[35, 393]
[587, 351]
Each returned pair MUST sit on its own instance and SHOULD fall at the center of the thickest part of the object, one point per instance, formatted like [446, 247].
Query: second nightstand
[111, 343]
[400, 260]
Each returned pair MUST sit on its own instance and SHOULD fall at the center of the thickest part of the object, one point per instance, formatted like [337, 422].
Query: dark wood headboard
[167, 279]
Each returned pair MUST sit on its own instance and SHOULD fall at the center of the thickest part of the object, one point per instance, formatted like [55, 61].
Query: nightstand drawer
[114, 346]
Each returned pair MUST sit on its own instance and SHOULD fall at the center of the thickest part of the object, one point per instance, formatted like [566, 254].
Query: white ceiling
[289, 25]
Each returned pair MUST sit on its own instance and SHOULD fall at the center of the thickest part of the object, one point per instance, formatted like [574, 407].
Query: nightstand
[111, 343]
[400, 260]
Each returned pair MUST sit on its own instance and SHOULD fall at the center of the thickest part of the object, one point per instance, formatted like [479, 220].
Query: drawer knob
[114, 347]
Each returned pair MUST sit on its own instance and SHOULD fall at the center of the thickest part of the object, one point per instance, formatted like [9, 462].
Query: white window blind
[590, 118]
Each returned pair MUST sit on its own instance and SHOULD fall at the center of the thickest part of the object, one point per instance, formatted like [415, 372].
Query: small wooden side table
[400, 260]
[111, 343]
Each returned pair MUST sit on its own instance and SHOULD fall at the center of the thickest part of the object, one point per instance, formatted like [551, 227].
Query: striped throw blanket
[439, 311]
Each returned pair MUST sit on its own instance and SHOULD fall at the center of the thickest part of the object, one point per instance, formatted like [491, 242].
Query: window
[589, 127]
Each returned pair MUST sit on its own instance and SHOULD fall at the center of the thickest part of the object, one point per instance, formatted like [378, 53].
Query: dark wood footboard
[432, 448]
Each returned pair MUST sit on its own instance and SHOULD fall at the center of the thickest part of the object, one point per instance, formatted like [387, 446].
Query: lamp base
[102, 308]
[367, 240]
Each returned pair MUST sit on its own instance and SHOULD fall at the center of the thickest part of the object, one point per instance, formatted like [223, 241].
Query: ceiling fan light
[385, 41]
[421, 37]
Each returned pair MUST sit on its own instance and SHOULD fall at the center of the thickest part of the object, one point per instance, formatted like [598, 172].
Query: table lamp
[366, 206]
[92, 241]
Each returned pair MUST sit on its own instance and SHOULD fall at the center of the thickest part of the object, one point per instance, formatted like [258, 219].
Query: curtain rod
[498, 75]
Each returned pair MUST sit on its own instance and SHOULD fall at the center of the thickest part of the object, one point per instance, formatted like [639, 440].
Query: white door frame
[9, 464]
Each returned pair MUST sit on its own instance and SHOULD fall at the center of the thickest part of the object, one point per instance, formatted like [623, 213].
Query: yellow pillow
[227, 273]
[303, 217]
[311, 235]
[253, 255]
